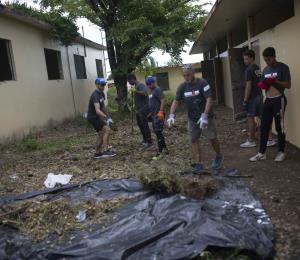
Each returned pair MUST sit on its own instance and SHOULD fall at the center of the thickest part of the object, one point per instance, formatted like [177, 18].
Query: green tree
[134, 28]
[148, 66]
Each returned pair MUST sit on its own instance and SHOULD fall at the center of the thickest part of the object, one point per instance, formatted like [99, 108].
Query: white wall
[32, 100]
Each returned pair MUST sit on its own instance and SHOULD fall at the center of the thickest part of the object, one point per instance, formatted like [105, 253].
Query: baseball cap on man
[150, 79]
[100, 81]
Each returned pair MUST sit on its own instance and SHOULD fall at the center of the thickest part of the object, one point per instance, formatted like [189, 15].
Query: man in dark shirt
[197, 95]
[156, 105]
[141, 100]
[275, 79]
[99, 119]
[253, 99]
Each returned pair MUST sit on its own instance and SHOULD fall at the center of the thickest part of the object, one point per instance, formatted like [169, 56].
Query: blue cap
[150, 79]
[100, 81]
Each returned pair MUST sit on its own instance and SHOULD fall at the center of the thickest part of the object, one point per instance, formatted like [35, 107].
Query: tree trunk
[121, 84]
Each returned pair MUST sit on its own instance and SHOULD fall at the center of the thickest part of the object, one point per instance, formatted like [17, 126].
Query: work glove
[160, 115]
[171, 120]
[245, 104]
[109, 121]
[203, 121]
[263, 85]
[270, 81]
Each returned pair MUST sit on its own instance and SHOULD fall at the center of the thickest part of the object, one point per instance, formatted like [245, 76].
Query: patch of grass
[29, 144]
[169, 97]
[53, 144]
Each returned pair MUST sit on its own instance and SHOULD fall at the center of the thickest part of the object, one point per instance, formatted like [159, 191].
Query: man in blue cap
[100, 120]
[197, 95]
[156, 106]
[141, 100]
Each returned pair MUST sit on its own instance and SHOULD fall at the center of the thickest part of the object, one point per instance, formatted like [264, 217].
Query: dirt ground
[68, 148]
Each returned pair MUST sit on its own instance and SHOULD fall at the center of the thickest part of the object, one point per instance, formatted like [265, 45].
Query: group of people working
[196, 93]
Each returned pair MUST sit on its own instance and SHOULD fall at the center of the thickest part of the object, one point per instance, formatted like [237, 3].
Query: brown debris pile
[38, 218]
[197, 187]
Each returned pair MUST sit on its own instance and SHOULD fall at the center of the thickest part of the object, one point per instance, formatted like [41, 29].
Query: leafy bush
[169, 97]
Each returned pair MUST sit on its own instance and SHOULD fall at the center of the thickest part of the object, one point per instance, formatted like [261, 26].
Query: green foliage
[175, 62]
[148, 66]
[63, 28]
[161, 182]
[169, 97]
[112, 105]
[29, 144]
[111, 99]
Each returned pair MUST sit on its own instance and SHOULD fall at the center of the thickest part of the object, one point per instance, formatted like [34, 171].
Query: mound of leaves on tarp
[40, 218]
[195, 186]
[149, 225]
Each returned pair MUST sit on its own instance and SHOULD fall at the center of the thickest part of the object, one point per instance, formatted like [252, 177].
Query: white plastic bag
[53, 179]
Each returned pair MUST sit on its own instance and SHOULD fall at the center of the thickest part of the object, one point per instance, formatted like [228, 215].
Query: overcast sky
[92, 32]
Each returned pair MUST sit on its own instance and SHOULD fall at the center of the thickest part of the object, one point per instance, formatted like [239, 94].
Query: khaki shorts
[195, 131]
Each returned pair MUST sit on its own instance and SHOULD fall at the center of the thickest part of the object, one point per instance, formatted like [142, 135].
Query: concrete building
[40, 80]
[169, 77]
[234, 26]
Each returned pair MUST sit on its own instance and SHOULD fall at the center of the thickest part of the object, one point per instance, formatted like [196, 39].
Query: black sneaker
[108, 153]
[98, 155]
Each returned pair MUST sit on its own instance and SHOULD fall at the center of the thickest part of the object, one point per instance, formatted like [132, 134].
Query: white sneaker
[248, 144]
[258, 157]
[271, 142]
[280, 157]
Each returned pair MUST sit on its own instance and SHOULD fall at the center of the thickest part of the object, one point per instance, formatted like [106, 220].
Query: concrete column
[229, 40]
[249, 29]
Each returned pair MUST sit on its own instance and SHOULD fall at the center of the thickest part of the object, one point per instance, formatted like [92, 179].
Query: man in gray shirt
[197, 95]
[141, 100]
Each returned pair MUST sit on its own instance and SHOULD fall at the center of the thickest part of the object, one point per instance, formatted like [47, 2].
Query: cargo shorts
[195, 131]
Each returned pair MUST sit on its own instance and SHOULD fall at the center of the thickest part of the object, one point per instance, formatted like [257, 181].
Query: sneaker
[258, 157]
[147, 145]
[143, 143]
[158, 156]
[165, 151]
[248, 144]
[108, 153]
[280, 157]
[198, 168]
[98, 155]
[271, 142]
[217, 162]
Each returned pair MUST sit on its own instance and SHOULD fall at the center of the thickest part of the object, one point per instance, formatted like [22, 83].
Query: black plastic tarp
[152, 226]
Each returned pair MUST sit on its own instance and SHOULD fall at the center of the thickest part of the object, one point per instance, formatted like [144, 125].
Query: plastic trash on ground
[53, 179]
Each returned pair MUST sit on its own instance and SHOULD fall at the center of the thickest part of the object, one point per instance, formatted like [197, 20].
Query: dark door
[237, 69]
[208, 73]
[219, 81]
[163, 80]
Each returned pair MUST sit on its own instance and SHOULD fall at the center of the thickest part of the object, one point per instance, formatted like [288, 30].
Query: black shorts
[97, 123]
